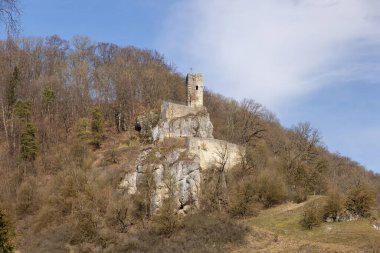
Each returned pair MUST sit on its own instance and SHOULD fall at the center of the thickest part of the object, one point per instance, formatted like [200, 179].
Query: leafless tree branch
[9, 15]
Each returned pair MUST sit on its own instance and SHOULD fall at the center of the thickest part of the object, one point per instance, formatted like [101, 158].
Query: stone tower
[194, 90]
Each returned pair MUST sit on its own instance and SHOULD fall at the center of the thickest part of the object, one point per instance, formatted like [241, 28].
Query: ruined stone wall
[213, 152]
[171, 110]
[182, 121]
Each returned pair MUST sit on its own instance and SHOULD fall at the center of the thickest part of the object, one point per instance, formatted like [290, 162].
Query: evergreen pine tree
[5, 235]
[29, 147]
[10, 92]
[83, 130]
[22, 109]
[48, 97]
[97, 127]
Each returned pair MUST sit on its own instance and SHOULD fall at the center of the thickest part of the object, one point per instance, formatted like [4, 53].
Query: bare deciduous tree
[251, 124]
[9, 15]
[303, 163]
[220, 169]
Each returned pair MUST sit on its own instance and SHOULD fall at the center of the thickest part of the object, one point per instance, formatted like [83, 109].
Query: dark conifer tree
[5, 235]
[29, 147]
[97, 127]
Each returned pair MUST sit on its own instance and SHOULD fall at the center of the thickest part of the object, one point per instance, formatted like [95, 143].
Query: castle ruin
[192, 122]
[190, 125]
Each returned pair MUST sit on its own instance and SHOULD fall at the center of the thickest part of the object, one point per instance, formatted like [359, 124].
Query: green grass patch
[285, 220]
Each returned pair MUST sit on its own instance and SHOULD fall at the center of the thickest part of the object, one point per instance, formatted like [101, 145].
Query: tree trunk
[5, 124]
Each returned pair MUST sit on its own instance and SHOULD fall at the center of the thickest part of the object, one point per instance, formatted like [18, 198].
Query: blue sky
[121, 22]
[305, 60]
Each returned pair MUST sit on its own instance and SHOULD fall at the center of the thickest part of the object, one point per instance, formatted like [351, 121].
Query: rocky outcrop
[145, 123]
[186, 126]
[129, 183]
[177, 173]
[175, 121]
[213, 152]
[344, 216]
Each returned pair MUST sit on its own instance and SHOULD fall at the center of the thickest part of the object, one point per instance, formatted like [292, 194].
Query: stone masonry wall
[194, 90]
[182, 121]
[171, 110]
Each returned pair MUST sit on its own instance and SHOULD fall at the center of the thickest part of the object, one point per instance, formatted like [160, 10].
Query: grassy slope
[278, 230]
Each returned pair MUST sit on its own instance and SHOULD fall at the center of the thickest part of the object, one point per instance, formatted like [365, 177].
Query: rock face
[193, 125]
[213, 152]
[129, 183]
[145, 124]
[176, 173]
[174, 121]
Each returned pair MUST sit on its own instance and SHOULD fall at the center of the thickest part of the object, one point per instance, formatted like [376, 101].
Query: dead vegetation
[284, 223]
[67, 139]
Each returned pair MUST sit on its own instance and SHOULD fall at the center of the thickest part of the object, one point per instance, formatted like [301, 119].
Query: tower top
[194, 84]
[194, 77]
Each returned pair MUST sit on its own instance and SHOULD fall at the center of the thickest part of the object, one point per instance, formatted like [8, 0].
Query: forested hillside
[67, 137]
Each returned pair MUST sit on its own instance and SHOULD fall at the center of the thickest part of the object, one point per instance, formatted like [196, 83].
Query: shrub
[198, 233]
[86, 227]
[298, 194]
[166, 221]
[26, 197]
[360, 200]
[334, 206]
[118, 215]
[210, 231]
[312, 216]
[241, 198]
[212, 195]
[65, 189]
[271, 189]
[257, 157]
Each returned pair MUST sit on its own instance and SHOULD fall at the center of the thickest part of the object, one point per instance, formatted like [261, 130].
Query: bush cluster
[312, 216]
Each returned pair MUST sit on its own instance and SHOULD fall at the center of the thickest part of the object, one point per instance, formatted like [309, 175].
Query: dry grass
[279, 230]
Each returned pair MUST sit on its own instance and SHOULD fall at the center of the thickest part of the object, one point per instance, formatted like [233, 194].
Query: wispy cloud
[274, 50]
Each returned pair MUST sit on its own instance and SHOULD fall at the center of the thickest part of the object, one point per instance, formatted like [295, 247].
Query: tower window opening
[196, 87]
